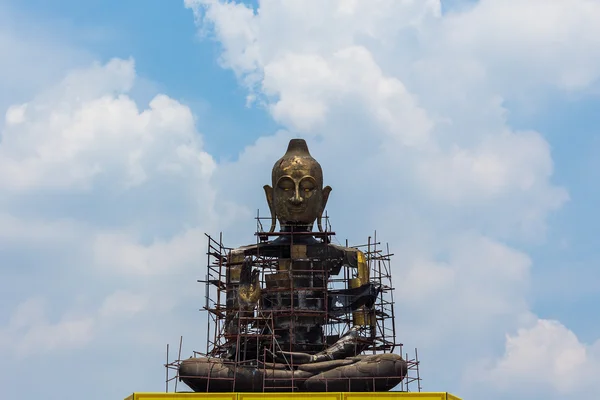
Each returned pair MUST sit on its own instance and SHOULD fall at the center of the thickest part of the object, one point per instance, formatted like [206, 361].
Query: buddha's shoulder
[319, 250]
[343, 249]
[247, 249]
[350, 254]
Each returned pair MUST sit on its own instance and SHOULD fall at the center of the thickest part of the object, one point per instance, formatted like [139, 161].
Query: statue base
[296, 396]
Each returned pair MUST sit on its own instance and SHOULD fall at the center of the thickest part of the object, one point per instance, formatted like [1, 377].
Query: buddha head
[297, 197]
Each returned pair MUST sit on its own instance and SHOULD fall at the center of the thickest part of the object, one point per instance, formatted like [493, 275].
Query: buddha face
[297, 197]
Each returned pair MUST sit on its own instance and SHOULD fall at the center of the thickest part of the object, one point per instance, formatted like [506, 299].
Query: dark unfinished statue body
[289, 350]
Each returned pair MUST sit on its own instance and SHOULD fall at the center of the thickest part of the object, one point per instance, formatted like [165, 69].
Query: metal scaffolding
[254, 338]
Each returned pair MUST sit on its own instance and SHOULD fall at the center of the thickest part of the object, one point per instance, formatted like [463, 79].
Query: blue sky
[465, 132]
[162, 39]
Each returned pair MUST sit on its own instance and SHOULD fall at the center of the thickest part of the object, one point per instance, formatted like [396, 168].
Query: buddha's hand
[301, 358]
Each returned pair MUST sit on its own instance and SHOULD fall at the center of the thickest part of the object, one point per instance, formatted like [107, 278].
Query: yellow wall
[295, 396]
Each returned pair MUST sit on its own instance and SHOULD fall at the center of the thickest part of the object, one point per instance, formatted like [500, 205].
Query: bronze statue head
[297, 197]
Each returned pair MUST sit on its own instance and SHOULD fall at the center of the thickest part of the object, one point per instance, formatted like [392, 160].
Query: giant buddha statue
[280, 300]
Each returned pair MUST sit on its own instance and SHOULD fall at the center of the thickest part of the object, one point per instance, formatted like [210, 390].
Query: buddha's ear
[269, 196]
[326, 191]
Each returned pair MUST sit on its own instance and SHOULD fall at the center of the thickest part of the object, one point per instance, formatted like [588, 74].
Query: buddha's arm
[233, 270]
[349, 345]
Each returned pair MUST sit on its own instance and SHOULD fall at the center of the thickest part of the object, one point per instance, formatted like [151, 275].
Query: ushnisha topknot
[297, 146]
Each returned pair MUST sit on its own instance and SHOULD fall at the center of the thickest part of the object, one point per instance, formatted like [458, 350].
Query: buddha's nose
[296, 199]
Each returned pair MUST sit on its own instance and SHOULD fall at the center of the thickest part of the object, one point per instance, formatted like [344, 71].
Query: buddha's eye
[307, 185]
[286, 184]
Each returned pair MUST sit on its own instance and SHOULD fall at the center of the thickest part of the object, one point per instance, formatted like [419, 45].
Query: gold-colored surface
[297, 197]
[284, 264]
[358, 318]
[234, 273]
[236, 257]
[354, 283]
[278, 279]
[234, 265]
[363, 268]
[249, 294]
[361, 316]
[298, 252]
[249, 289]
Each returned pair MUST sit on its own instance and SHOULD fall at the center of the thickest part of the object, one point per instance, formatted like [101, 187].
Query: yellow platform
[296, 396]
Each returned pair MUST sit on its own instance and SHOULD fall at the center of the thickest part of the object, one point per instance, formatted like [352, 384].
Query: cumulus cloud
[407, 110]
[33, 331]
[453, 135]
[105, 203]
[117, 252]
[86, 128]
[487, 280]
[30, 333]
[449, 149]
[123, 304]
[537, 42]
[546, 356]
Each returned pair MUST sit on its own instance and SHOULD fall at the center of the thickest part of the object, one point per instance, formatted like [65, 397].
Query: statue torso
[294, 301]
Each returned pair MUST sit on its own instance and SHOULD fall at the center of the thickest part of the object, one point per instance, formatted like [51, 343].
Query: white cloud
[406, 109]
[507, 162]
[87, 128]
[121, 253]
[546, 355]
[471, 285]
[447, 146]
[104, 201]
[16, 114]
[30, 333]
[34, 231]
[449, 142]
[324, 83]
[534, 42]
[123, 304]
[97, 190]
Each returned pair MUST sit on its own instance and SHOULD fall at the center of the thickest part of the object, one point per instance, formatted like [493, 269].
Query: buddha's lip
[296, 209]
